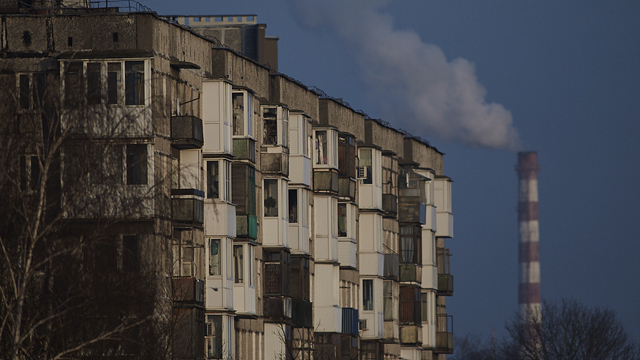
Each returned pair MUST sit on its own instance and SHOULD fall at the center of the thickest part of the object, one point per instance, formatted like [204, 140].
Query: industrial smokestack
[529, 254]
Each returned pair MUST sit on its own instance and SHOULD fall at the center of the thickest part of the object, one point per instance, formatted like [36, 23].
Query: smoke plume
[413, 80]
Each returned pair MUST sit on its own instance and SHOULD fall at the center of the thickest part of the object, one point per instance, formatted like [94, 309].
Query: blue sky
[566, 74]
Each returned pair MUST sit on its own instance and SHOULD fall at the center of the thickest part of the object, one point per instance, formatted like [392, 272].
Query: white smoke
[412, 79]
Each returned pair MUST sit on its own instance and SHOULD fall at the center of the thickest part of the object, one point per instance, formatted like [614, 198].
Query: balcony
[188, 290]
[186, 132]
[445, 284]
[302, 314]
[410, 334]
[350, 321]
[245, 149]
[187, 207]
[277, 308]
[391, 266]
[390, 204]
[247, 226]
[444, 335]
[325, 181]
[411, 273]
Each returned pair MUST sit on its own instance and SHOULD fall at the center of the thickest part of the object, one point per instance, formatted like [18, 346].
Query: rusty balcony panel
[325, 181]
[186, 132]
[275, 163]
[391, 266]
[445, 284]
[187, 207]
[245, 149]
[347, 188]
[390, 204]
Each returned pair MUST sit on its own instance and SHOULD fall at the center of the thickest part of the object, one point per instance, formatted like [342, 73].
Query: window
[270, 197]
[293, 206]
[346, 156]
[29, 172]
[387, 295]
[322, 148]
[215, 267]
[424, 307]
[214, 337]
[242, 114]
[114, 82]
[137, 164]
[342, 220]
[25, 100]
[134, 82]
[365, 162]
[94, 83]
[410, 305]
[213, 184]
[72, 84]
[410, 244]
[269, 116]
[238, 264]
[251, 191]
[367, 294]
[130, 253]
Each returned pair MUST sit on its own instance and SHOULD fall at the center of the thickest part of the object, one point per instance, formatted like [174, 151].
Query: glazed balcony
[247, 226]
[186, 132]
[445, 279]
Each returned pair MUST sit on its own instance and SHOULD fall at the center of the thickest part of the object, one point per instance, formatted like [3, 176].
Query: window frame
[211, 261]
[367, 295]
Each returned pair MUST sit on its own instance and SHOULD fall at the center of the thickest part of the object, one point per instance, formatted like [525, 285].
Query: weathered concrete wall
[241, 71]
[342, 117]
[296, 96]
[383, 136]
[427, 156]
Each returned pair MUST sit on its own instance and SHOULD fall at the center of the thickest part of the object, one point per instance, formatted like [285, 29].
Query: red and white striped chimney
[529, 255]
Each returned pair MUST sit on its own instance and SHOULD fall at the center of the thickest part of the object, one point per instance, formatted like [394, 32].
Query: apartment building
[290, 225]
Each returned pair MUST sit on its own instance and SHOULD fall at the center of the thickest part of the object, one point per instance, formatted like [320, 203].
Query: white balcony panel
[445, 224]
[244, 299]
[371, 264]
[327, 318]
[216, 117]
[327, 285]
[411, 353]
[300, 169]
[370, 237]
[347, 251]
[219, 219]
[218, 293]
[299, 238]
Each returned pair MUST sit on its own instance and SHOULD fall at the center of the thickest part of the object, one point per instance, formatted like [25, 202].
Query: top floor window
[325, 148]
[275, 125]
[366, 164]
[101, 82]
[242, 114]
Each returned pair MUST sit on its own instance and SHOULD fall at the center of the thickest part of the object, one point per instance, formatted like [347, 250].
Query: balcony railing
[410, 273]
[445, 284]
[245, 149]
[188, 290]
[390, 203]
[444, 334]
[325, 181]
[347, 188]
[247, 226]
[302, 314]
[187, 207]
[275, 162]
[391, 266]
[350, 321]
[410, 209]
[186, 132]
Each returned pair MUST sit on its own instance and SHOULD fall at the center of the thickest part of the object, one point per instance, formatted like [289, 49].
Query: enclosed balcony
[186, 132]
[444, 335]
[187, 207]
